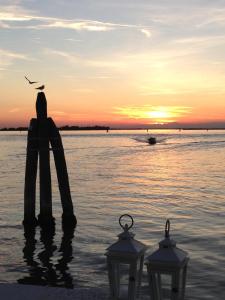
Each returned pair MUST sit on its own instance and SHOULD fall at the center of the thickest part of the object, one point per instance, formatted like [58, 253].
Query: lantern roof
[126, 243]
[168, 253]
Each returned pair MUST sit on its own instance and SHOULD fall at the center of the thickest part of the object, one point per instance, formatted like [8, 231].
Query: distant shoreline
[107, 128]
[60, 128]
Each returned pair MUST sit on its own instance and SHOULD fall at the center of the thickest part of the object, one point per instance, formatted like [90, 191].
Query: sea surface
[182, 178]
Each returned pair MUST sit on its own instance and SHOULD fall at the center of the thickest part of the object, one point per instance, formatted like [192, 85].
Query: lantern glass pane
[165, 281]
[124, 279]
[124, 273]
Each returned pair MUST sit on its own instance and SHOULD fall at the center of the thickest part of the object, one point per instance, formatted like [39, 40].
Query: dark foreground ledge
[27, 292]
[11, 291]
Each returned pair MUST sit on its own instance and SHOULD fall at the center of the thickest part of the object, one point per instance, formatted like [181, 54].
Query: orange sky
[134, 64]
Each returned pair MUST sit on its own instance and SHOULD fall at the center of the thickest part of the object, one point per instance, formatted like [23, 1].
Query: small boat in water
[152, 140]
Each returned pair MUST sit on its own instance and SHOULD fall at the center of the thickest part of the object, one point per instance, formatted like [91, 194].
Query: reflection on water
[43, 268]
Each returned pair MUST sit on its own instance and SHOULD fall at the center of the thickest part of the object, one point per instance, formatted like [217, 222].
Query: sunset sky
[118, 63]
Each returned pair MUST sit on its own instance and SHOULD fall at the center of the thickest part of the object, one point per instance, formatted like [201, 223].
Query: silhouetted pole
[31, 174]
[42, 131]
[62, 174]
[45, 215]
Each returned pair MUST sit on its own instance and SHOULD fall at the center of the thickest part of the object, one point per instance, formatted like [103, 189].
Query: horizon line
[101, 127]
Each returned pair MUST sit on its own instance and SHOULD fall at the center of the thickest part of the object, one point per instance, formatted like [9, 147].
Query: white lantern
[167, 265]
[126, 251]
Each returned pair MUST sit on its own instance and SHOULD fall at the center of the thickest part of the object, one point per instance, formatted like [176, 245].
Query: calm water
[181, 178]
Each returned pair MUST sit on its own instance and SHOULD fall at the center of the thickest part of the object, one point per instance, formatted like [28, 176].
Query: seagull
[30, 82]
[40, 88]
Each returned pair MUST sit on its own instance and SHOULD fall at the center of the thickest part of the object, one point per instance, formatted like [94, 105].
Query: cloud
[13, 55]
[92, 25]
[152, 59]
[211, 88]
[215, 16]
[7, 57]
[81, 25]
[4, 25]
[5, 16]
[206, 41]
[140, 63]
[146, 32]
[15, 13]
[117, 63]
[72, 58]
[15, 16]
[83, 90]
[73, 40]
[14, 110]
[147, 91]
[57, 113]
[77, 59]
[84, 25]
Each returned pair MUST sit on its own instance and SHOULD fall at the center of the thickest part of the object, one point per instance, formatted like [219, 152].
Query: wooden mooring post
[43, 131]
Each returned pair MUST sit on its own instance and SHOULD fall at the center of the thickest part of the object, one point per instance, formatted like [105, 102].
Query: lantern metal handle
[126, 227]
[167, 228]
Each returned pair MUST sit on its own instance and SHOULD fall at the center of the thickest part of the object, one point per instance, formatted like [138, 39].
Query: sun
[159, 114]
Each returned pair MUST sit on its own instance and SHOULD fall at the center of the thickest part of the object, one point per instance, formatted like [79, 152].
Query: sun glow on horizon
[156, 114]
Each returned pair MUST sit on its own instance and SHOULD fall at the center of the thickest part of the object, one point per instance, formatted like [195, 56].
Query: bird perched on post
[40, 88]
[30, 82]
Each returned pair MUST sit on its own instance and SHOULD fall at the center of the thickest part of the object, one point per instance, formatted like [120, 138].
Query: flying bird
[40, 88]
[30, 82]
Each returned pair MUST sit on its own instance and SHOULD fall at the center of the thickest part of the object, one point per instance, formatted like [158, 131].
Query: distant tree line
[96, 127]
[67, 127]
[14, 129]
